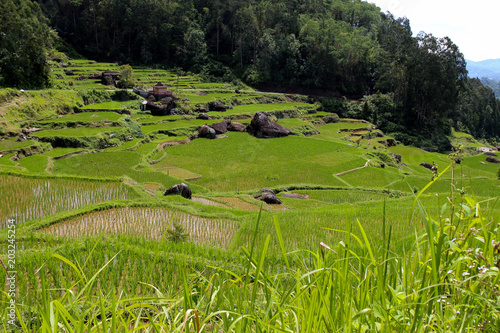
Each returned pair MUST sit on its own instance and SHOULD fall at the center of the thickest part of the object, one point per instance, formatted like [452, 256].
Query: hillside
[83, 190]
[338, 49]
[489, 69]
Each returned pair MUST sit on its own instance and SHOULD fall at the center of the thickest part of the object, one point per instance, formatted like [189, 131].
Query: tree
[24, 38]
[126, 76]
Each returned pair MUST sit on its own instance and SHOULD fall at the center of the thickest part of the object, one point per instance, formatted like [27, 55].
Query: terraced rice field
[26, 199]
[148, 223]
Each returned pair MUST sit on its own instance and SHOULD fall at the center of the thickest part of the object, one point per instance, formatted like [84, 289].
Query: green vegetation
[25, 37]
[103, 249]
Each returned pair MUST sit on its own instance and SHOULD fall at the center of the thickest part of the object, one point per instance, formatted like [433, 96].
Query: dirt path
[348, 171]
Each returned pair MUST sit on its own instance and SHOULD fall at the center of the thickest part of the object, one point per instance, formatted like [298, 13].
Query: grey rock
[179, 189]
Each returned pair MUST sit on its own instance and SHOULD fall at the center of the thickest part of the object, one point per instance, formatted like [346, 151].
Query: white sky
[472, 25]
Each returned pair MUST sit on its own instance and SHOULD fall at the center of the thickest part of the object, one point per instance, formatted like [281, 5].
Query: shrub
[177, 234]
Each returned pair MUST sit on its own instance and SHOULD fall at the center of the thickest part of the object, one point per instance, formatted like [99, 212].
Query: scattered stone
[492, 159]
[68, 72]
[203, 116]
[179, 189]
[221, 127]
[201, 93]
[236, 127]
[221, 136]
[166, 100]
[21, 137]
[295, 196]
[96, 76]
[396, 157]
[262, 127]
[216, 106]
[429, 149]
[186, 100]
[81, 78]
[489, 153]
[229, 107]
[426, 165]
[206, 131]
[176, 112]
[270, 198]
[201, 109]
[262, 191]
[107, 80]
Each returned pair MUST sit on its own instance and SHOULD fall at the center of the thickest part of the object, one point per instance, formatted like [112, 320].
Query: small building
[160, 91]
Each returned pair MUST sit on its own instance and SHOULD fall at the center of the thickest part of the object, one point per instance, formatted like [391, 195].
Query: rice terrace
[161, 199]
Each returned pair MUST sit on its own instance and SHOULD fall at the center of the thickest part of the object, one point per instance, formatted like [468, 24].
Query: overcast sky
[472, 25]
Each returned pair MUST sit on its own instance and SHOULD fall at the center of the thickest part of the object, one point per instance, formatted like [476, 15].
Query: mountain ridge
[489, 68]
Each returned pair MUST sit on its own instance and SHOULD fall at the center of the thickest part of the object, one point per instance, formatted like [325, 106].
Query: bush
[333, 118]
[177, 234]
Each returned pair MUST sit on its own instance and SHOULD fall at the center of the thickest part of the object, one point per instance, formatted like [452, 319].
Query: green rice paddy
[90, 203]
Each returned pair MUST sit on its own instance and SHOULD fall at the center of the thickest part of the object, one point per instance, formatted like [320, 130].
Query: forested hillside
[330, 48]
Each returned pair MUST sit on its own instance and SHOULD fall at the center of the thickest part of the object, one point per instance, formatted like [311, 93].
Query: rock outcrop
[426, 165]
[397, 157]
[262, 127]
[236, 127]
[206, 131]
[203, 116]
[221, 126]
[270, 198]
[216, 106]
[492, 159]
[179, 189]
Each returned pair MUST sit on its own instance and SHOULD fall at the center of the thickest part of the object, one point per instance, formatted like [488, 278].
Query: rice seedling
[148, 223]
[26, 199]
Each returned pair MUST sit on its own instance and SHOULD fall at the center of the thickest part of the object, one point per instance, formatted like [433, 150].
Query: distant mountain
[487, 68]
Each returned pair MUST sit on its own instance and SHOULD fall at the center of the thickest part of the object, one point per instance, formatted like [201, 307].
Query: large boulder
[179, 189]
[489, 153]
[157, 109]
[492, 159]
[96, 76]
[203, 116]
[69, 72]
[221, 126]
[201, 109]
[270, 198]
[396, 157]
[216, 106]
[262, 127]
[426, 165]
[236, 127]
[206, 131]
[176, 112]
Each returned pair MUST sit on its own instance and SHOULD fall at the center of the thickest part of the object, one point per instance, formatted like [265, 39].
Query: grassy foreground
[444, 280]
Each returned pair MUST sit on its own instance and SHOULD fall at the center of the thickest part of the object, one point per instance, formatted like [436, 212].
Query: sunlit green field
[88, 199]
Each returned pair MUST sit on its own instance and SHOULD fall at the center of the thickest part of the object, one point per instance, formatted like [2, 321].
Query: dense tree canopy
[344, 47]
[24, 37]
